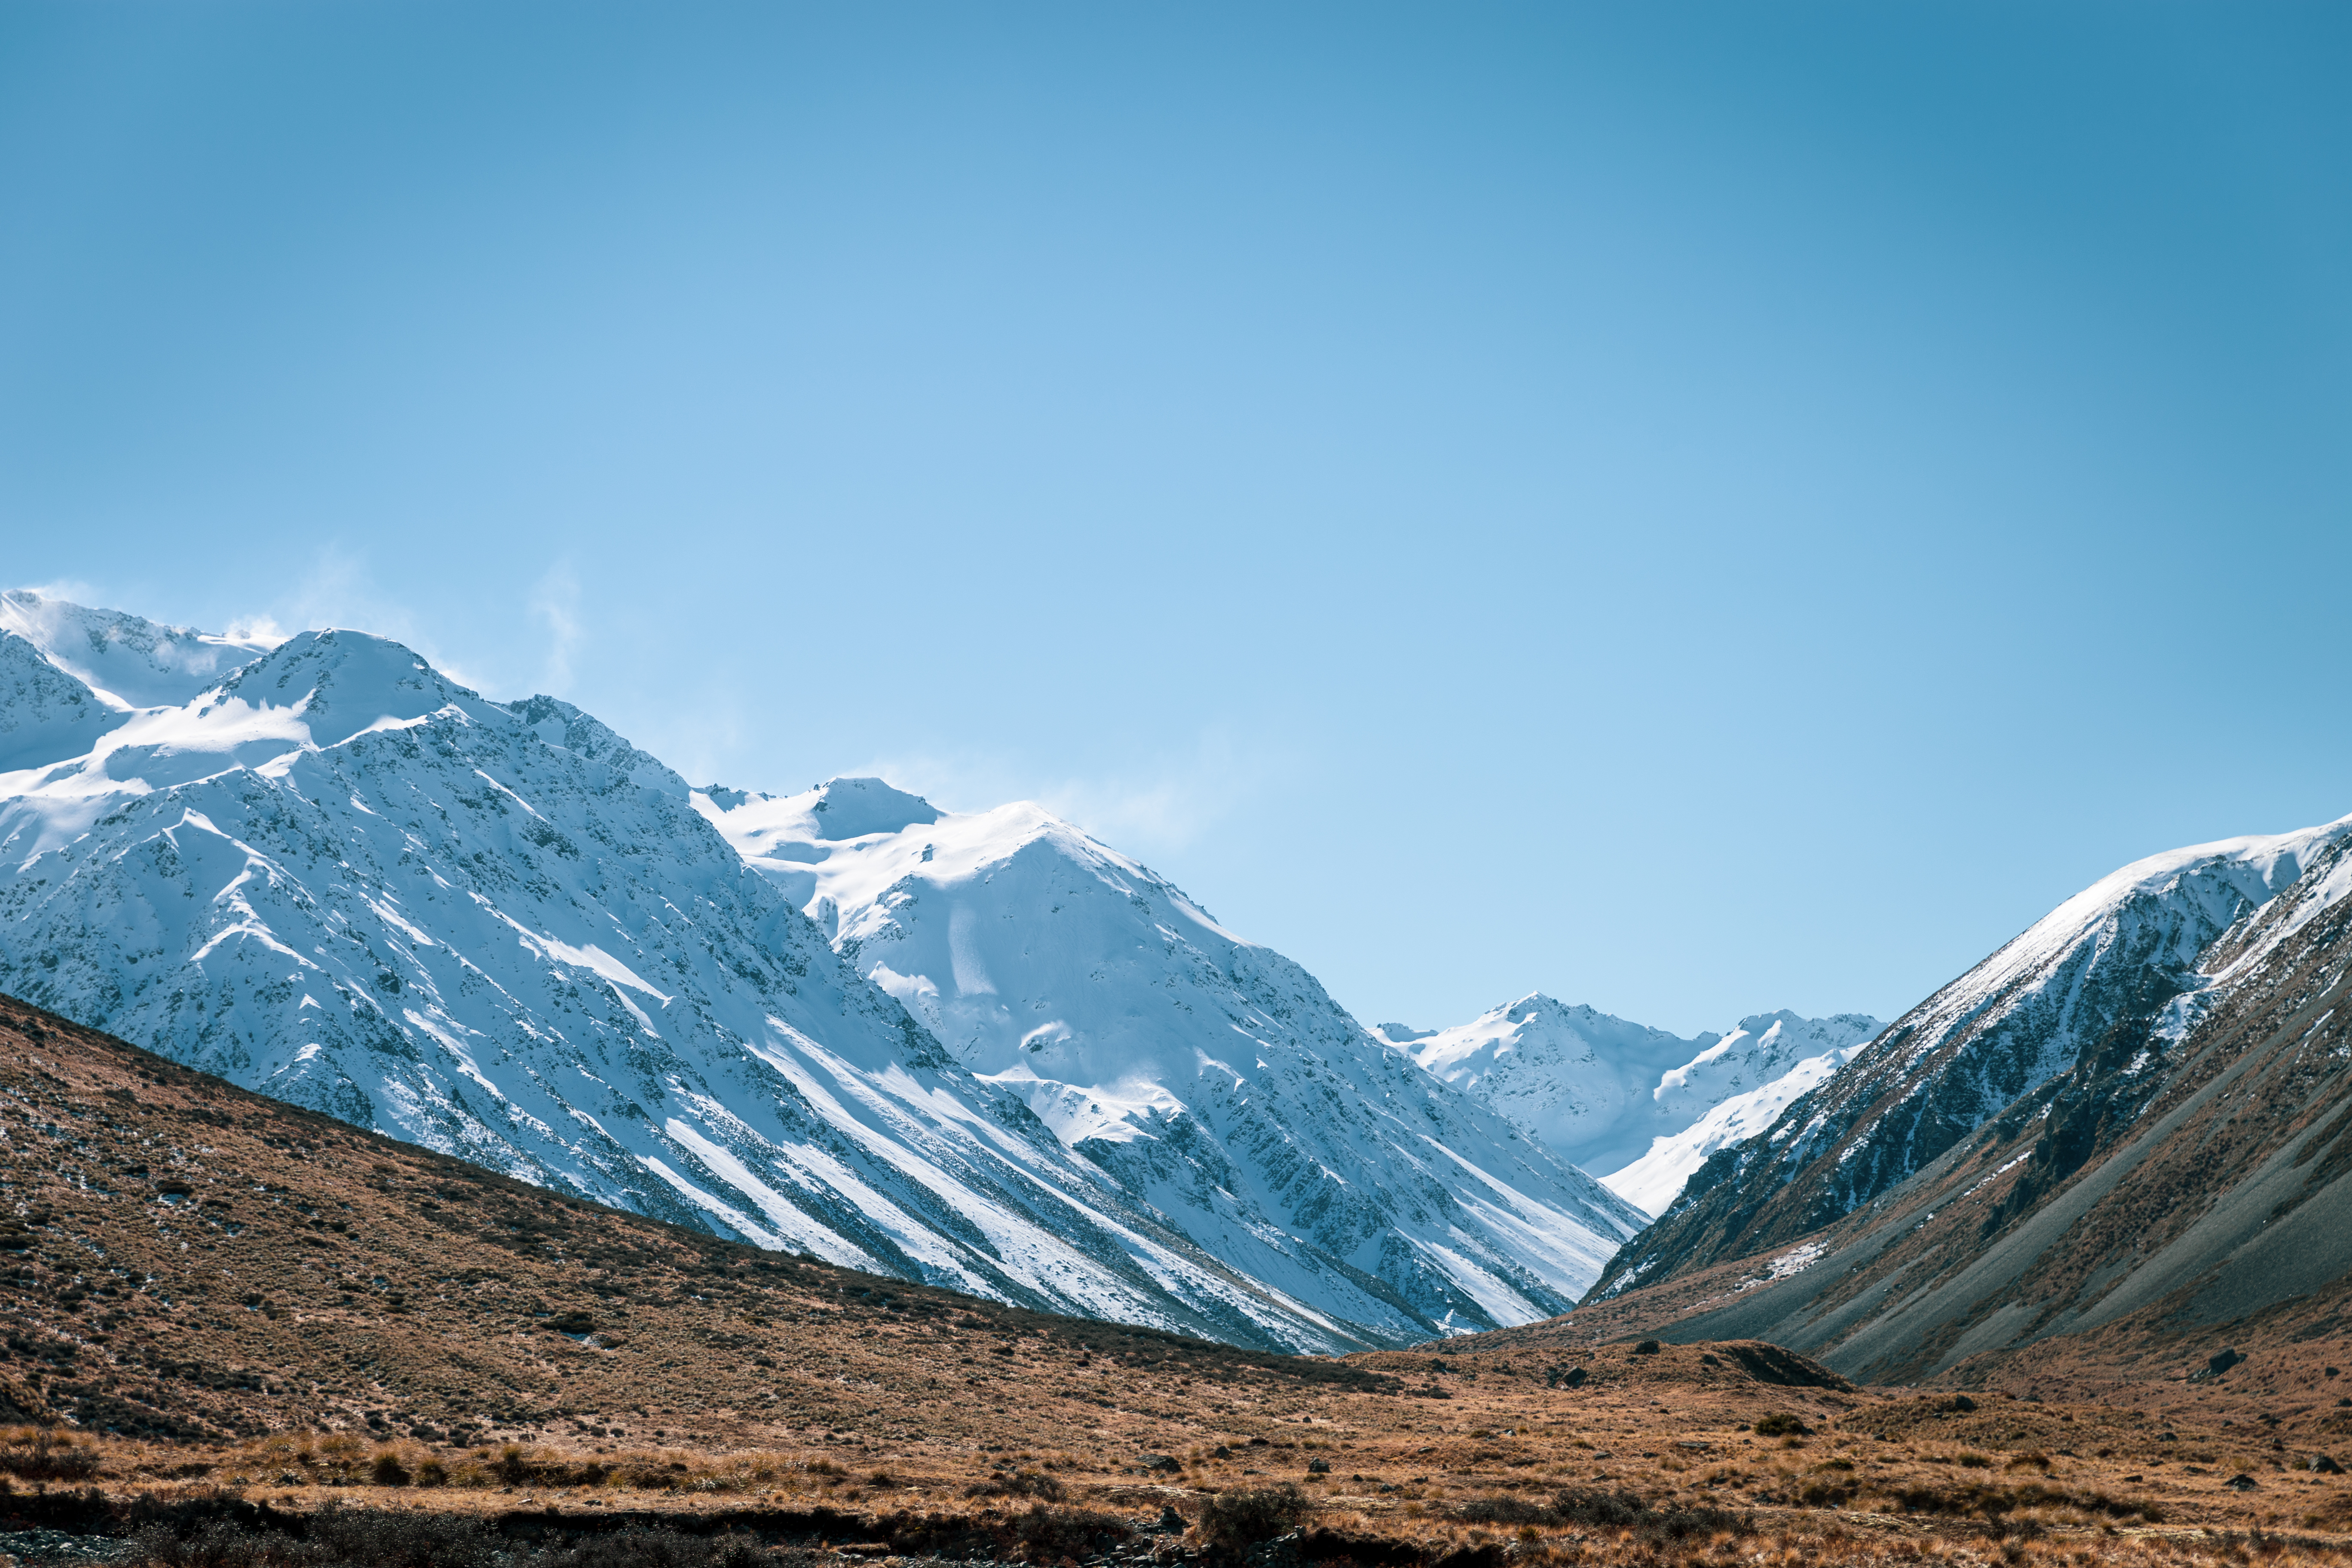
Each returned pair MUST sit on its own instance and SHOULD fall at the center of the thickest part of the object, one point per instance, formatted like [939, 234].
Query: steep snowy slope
[1646, 1106]
[500, 930]
[1211, 1078]
[2099, 994]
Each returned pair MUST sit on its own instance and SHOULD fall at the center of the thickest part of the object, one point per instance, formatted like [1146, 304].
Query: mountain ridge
[2131, 1115]
[502, 930]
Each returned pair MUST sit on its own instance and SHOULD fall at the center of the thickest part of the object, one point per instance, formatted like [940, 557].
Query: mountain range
[986, 1051]
[993, 1054]
[2125, 1129]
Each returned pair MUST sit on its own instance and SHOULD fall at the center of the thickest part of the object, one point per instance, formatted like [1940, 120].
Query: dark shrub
[1604, 1511]
[1623, 1510]
[1047, 1534]
[1783, 1423]
[1031, 1483]
[1648, 1347]
[369, 1538]
[387, 1470]
[1242, 1519]
[1505, 1511]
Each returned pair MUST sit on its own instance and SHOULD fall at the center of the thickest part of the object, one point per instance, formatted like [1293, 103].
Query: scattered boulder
[1159, 1461]
[1648, 1347]
[2242, 1483]
[2228, 1358]
[1319, 1467]
[2324, 1465]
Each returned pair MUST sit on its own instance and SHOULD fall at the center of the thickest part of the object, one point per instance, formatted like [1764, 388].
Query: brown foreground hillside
[222, 1313]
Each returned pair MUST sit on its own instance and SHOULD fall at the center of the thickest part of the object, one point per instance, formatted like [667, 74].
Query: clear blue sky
[1694, 508]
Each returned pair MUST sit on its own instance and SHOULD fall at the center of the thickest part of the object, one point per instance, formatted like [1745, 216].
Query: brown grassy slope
[258, 1298]
[183, 1259]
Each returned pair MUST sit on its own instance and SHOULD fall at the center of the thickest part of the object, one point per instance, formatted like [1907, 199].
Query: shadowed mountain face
[2136, 1112]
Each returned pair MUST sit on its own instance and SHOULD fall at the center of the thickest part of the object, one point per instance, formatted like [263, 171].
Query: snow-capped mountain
[2087, 1021]
[322, 869]
[496, 929]
[1576, 1077]
[1212, 1079]
[1642, 1105]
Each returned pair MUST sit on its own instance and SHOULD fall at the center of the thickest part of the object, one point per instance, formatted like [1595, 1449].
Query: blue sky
[1693, 508]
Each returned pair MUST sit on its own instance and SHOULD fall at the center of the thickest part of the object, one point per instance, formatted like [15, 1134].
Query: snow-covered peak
[1641, 1104]
[2158, 916]
[1211, 1076]
[338, 684]
[126, 661]
[1537, 1026]
[1576, 1077]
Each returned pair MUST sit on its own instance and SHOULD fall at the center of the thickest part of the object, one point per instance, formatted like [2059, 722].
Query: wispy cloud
[256, 631]
[339, 591]
[555, 605]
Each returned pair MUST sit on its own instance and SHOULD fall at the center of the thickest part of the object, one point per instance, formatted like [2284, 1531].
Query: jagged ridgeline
[324, 870]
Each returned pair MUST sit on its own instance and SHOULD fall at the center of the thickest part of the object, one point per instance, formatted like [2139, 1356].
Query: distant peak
[852, 808]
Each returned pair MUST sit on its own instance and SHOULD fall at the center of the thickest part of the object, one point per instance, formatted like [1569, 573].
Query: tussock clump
[42, 1454]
